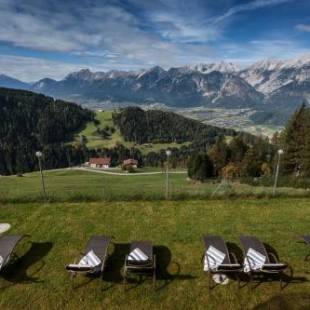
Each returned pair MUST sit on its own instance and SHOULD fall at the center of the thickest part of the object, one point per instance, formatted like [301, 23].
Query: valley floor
[59, 231]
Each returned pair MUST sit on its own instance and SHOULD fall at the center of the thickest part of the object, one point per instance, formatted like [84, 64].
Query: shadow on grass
[168, 270]
[285, 302]
[17, 271]
[164, 263]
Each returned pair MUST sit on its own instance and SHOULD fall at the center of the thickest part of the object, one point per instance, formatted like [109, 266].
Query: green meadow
[59, 231]
[69, 185]
[131, 207]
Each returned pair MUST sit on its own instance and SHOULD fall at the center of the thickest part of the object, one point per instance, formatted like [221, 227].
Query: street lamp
[39, 156]
[168, 153]
[280, 152]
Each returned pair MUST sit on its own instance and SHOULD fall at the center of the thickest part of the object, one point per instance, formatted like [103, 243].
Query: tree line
[30, 122]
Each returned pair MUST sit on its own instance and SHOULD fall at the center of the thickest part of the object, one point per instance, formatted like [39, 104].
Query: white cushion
[213, 258]
[1, 261]
[137, 255]
[90, 259]
[254, 260]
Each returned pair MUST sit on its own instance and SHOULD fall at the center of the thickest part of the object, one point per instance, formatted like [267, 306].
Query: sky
[53, 38]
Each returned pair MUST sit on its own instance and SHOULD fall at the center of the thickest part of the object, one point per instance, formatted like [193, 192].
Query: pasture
[69, 185]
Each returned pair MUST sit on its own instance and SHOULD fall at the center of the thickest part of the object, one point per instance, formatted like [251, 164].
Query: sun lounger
[258, 261]
[93, 259]
[7, 246]
[140, 260]
[218, 260]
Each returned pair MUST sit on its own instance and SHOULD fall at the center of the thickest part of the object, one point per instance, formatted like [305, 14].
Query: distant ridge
[268, 86]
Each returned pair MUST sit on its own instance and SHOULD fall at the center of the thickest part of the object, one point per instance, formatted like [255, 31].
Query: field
[59, 231]
[133, 207]
[94, 140]
[69, 185]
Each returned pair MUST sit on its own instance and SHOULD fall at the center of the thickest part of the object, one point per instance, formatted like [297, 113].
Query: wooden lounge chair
[141, 267]
[230, 263]
[271, 266]
[306, 240]
[99, 245]
[7, 246]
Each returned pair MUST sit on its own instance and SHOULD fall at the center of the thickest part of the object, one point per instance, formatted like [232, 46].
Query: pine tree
[293, 141]
[219, 154]
[306, 151]
[200, 167]
[238, 148]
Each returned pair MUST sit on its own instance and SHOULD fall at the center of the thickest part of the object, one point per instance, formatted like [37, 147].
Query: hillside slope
[30, 122]
[149, 131]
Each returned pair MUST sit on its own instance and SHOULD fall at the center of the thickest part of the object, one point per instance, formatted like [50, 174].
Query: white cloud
[303, 27]
[256, 4]
[105, 35]
[31, 69]
[91, 31]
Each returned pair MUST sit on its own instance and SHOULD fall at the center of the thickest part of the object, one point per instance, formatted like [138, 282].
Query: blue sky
[52, 38]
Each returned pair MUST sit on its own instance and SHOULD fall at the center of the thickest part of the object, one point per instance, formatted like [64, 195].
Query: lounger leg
[211, 286]
[251, 281]
[125, 278]
[154, 277]
[72, 275]
[154, 271]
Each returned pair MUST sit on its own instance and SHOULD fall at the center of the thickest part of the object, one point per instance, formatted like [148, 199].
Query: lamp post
[168, 153]
[280, 152]
[39, 156]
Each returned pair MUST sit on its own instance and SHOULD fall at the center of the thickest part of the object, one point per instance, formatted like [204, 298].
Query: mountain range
[274, 88]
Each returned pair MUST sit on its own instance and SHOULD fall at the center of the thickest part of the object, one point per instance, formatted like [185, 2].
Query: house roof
[130, 161]
[100, 161]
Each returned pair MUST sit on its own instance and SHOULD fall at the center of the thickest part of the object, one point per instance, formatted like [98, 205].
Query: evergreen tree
[200, 167]
[251, 165]
[219, 154]
[238, 148]
[294, 141]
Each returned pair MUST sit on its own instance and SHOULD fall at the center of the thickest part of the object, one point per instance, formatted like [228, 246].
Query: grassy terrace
[59, 232]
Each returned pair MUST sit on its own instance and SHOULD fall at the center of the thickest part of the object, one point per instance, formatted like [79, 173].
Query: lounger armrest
[233, 255]
[76, 268]
[274, 257]
[230, 265]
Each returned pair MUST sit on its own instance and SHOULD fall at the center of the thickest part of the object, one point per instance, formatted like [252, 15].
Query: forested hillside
[31, 122]
[155, 126]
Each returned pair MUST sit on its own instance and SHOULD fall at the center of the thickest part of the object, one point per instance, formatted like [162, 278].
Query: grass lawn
[59, 232]
[75, 186]
[94, 140]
